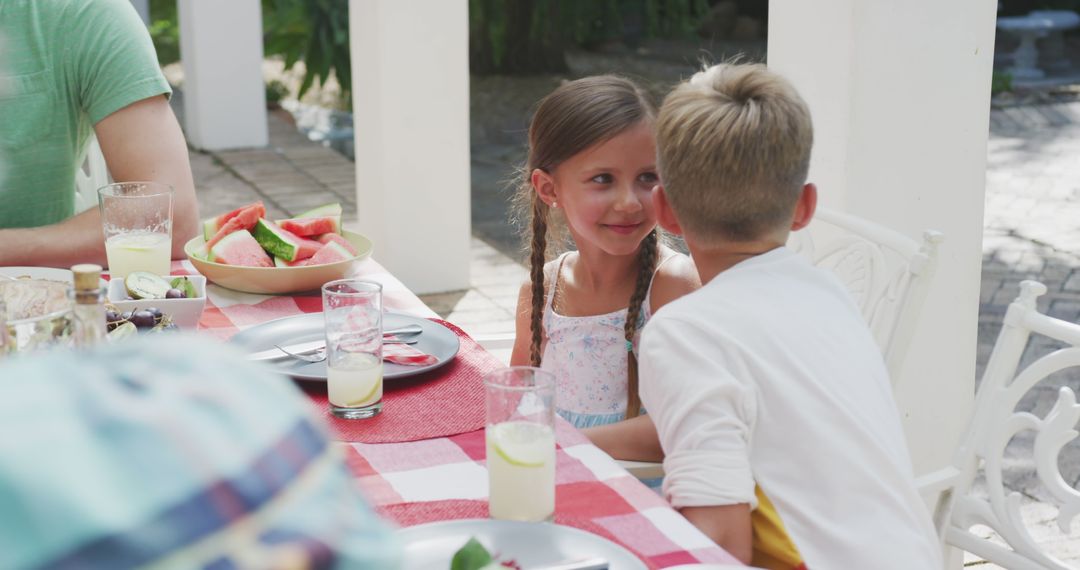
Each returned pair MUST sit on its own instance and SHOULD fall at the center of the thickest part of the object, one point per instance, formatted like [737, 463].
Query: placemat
[446, 401]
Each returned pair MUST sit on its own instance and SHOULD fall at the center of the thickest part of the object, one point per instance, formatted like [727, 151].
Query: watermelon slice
[276, 241]
[251, 213]
[240, 248]
[244, 220]
[327, 238]
[326, 210]
[312, 226]
[278, 262]
[307, 247]
[330, 253]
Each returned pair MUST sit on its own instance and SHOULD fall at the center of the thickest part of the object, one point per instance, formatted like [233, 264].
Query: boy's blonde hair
[734, 150]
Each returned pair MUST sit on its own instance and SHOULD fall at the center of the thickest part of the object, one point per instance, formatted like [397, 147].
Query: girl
[590, 171]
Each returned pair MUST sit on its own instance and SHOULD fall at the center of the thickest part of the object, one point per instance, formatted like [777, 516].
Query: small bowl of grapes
[145, 302]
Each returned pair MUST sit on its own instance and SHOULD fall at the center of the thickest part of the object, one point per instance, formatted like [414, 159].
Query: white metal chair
[994, 422]
[93, 174]
[887, 273]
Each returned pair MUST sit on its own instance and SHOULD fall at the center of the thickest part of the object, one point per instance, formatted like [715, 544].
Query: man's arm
[141, 142]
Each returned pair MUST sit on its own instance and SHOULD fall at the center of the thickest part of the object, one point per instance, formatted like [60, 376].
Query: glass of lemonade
[520, 438]
[354, 366]
[136, 218]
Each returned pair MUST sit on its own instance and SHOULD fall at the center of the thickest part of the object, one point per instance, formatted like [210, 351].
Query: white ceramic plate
[531, 545]
[435, 340]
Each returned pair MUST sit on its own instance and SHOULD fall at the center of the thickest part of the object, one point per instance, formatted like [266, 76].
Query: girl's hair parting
[574, 117]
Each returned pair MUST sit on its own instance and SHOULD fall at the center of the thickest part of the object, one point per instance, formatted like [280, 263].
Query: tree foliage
[315, 32]
[531, 36]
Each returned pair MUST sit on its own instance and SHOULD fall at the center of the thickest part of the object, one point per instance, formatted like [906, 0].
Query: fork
[320, 355]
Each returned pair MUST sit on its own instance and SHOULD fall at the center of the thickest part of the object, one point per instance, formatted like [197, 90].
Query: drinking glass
[520, 437]
[136, 218]
[354, 366]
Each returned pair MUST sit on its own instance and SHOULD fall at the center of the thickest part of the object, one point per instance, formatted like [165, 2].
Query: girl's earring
[555, 204]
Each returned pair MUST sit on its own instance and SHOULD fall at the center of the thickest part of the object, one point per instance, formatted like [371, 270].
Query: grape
[154, 311]
[175, 294]
[125, 316]
[142, 319]
[111, 316]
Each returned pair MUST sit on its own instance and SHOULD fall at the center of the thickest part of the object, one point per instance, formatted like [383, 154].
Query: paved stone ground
[1032, 214]
[1032, 231]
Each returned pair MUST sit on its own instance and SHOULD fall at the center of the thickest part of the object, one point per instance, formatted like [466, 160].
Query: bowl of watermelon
[244, 251]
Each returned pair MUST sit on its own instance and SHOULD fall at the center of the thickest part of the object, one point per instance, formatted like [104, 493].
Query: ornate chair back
[887, 273]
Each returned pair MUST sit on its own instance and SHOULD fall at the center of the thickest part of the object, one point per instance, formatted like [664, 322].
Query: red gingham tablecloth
[446, 478]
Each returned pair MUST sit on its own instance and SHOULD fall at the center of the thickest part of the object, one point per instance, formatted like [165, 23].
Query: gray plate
[531, 545]
[435, 340]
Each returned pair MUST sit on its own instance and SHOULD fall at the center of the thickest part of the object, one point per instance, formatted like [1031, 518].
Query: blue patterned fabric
[174, 452]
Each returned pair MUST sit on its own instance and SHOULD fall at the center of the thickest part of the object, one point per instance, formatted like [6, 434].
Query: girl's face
[604, 191]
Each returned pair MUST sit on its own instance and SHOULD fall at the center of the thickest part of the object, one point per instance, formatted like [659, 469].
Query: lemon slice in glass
[522, 444]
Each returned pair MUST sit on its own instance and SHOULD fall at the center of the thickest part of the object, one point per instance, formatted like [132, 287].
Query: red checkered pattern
[446, 478]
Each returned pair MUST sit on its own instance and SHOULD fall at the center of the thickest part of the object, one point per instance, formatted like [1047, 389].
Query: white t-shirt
[769, 375]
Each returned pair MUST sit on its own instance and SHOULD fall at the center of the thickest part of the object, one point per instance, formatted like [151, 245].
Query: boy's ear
[544, 185]
[665, 216]
[805, 207]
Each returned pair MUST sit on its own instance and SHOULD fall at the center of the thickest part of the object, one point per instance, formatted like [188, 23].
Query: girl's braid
[646, 266]
[537, 257]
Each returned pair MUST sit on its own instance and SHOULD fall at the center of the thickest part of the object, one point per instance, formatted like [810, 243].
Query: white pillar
[221, 48]
[410, 77]
[900, 96]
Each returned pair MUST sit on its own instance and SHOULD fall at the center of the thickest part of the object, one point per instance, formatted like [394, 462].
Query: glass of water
[354, 380]
[136, 218]
[520, 436]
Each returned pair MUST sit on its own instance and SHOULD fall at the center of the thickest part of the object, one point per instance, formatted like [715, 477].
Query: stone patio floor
[1032, 231]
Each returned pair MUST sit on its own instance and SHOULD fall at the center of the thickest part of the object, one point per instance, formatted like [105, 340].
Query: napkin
[406, 355]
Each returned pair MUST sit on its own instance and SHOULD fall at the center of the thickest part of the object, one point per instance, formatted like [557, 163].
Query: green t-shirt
[64, 66]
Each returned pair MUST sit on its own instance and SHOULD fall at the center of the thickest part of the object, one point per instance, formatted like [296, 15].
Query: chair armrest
[642, 469]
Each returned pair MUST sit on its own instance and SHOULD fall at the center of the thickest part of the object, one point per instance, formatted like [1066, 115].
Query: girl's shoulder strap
[666, 256]
[551, 279]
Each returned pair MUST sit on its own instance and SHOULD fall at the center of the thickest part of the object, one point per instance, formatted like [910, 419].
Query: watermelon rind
[276, 241]
[324, 210]
[209, 228]
[278, 262]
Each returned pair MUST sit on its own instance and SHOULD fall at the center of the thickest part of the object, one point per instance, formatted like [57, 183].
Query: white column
[410, 77]
[221, 49]
[900, 96]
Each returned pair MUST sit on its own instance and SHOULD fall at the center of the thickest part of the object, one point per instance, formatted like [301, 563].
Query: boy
[768, 375]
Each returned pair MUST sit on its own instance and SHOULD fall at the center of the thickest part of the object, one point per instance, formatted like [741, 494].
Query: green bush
[1000, 82]
[313, 31]
[165, 31]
